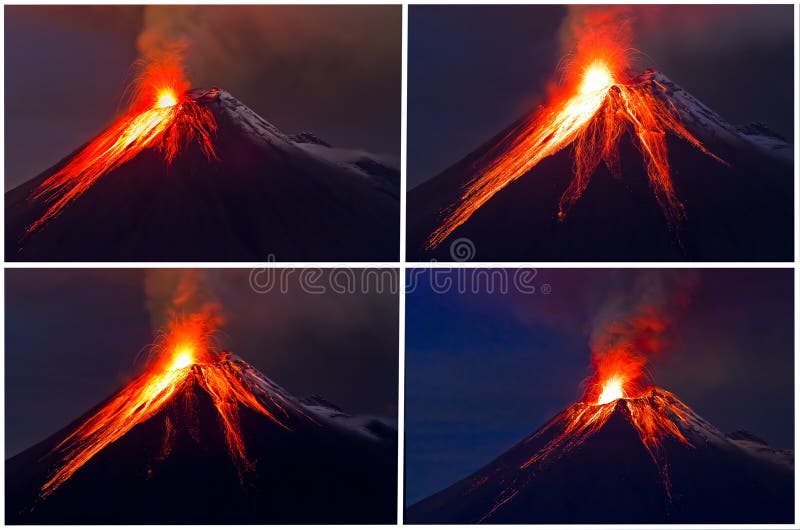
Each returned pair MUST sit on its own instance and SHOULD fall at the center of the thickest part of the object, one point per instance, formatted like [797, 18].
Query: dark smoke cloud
[633, 327]
[332, 59]
[664, 30]
[180, 291]
[643, 312]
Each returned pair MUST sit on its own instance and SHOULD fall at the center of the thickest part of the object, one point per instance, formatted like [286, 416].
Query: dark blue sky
[485, 370]
[472, 70]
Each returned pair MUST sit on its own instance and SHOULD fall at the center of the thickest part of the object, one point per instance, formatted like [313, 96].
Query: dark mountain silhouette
[267, 194]
[610, 477]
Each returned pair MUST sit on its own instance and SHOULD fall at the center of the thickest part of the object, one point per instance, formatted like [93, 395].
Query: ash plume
[332, 58]
[174, 292]
[634, 326]
[664, 30]
[585, 28]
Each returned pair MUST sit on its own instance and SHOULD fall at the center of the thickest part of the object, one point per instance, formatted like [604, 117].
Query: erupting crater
[162, 116]
[612, 390]
[591, 113]
[183, 360]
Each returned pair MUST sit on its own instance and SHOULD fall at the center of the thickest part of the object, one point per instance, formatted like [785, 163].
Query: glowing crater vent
[183, 358]
[596, 77]
[166, 98]
[612, 390]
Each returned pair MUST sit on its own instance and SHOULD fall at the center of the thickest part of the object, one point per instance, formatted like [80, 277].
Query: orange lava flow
[620, 354]
[592, 116]
[183, 358]
[162, 117]
[655, 414]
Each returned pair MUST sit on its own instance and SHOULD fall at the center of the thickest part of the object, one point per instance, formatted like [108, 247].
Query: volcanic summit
[195, 175]
[614, 167]
[630, 460]
[199, 437]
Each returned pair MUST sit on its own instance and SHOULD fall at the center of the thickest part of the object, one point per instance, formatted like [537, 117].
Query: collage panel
[622, 133]
[599, 396]
[200, 133]
[200, 396]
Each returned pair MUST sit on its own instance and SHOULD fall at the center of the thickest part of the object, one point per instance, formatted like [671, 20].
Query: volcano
[648, 459]
[203, 437]
[614, 168]
[195, 175]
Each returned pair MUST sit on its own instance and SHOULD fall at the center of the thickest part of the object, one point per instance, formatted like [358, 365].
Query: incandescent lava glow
[183, 361]
[166, 98]
[619, 387]
[183, 358]
[161, 117]
[656, 415]
[597, 77]
[631, 329]
[612, 390]
[596, 105]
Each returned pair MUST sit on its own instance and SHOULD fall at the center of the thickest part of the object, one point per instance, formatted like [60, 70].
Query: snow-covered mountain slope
[315, 408]
[710, 126]
[380, 170]
[370, 426]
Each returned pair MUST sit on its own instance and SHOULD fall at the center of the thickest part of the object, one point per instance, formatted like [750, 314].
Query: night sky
[475, 69]
[332, 70]
[72, 337]
[485, 370]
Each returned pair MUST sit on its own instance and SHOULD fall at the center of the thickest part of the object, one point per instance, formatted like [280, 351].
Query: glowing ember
[183, 359]
[656, 415]
[597, 77]
[612, 390]
[161, 117]
[166, 99]
[591, 114]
